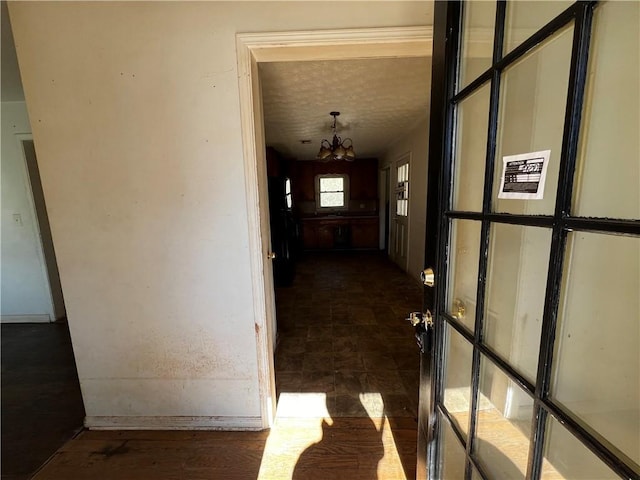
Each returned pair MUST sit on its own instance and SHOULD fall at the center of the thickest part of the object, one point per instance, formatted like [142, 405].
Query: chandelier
[337, 149]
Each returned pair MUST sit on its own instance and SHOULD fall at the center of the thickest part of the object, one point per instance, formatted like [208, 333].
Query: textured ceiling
[379, 100]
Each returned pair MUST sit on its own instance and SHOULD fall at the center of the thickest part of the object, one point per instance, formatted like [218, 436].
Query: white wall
[416, 142]
[25, 288]
[135, 112]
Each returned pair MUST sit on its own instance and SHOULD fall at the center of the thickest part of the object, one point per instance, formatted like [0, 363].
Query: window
[287, 193]
[402, 190]
[332, 192]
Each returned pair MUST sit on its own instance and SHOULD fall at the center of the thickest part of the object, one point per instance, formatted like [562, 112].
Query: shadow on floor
[342, 334]
[41, 401]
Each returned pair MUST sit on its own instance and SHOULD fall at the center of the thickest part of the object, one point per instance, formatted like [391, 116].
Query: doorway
[255, 48]
[48, 255]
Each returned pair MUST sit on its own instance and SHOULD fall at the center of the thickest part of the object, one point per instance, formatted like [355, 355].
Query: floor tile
[346, 337]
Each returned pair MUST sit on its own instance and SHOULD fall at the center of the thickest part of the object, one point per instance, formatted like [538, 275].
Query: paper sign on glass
[523, 175]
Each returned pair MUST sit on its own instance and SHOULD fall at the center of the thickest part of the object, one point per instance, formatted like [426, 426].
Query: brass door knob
[459, 309]
[271, 255]
[428, 277]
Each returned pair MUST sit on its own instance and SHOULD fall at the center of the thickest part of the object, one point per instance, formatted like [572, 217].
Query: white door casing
[253, 48]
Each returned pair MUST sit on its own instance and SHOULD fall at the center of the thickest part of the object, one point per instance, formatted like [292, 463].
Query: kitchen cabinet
[331, 232]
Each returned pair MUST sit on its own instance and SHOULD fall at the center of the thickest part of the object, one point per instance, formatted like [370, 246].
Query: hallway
[342, 333]
[347, 381]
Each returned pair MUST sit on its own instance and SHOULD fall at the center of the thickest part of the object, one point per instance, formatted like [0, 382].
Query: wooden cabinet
[326, 233]
[364, 233]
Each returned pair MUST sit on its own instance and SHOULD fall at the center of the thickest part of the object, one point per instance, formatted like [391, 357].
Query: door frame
[254, 48]
[384, 188]
[447, 25]
[55, 307]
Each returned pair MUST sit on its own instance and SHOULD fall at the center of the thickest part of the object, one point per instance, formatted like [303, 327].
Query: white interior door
[400, 226]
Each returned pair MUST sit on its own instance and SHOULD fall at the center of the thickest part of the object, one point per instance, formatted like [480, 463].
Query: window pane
[524, 18]
[452, 454]
[335, 184]
[504, 424]
[472, 120]
[463, 273]
[402, 208]
[475, 475]
[608, 176]
[566, 457]
[477, 40]
[597, 367]
[457, 378]
[332, 199]
[532, 110]
[516, 282]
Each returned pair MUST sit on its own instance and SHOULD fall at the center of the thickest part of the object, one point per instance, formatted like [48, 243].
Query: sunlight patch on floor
[305, 439]
[302, 405]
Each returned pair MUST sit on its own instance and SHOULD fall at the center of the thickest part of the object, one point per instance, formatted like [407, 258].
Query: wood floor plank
[350, 448]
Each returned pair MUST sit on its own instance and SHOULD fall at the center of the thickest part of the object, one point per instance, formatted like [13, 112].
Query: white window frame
[402, 188]
[345, 180]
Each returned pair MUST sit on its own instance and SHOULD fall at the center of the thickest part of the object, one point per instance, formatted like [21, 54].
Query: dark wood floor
[347, 381]
[41, 402]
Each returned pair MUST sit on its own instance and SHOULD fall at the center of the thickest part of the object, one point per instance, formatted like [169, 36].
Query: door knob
[428, 277]
[423, 324]
[459, 309]
[271, 255]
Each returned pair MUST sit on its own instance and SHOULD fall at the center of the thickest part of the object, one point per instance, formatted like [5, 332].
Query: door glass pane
[608, 176]
[566, 457]
[475, 475]
[472, 118]
[451, 452]
[463, 270]
[503, 425]
[477, 40]
[597, 366]
[532, 111]
[524, 18]
[516, 282]
[457, 378]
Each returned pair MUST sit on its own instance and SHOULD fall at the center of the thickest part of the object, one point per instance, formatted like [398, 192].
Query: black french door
[531, 366]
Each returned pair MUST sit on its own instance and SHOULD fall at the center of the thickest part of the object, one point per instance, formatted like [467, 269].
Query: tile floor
[341, 332]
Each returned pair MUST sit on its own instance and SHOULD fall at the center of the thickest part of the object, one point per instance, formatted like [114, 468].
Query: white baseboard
[25, 319]
[173, 423]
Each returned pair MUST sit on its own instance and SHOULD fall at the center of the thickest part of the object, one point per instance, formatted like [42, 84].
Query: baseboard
[173, 423]
[25, 319]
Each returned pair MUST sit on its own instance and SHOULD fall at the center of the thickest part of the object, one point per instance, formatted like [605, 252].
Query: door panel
[457, 379]
[577, 461]
[463, 272]
[611, 118]
[599, 313]
[477, 45]
[503, 424]
[473, 125]
[525, 17]
[532, 111]
[536, 314]
[516, 281]
[400, 235]
[452, 452]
